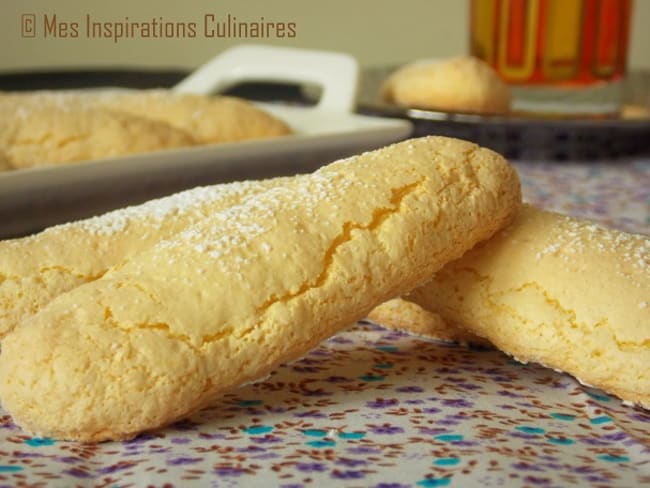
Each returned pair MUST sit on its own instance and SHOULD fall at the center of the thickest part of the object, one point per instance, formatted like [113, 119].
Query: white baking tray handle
[336, 73]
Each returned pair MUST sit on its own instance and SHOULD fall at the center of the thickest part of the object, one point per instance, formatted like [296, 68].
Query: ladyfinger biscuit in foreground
[225, 301]
[402, 315]
[37, 268]
[550, 289]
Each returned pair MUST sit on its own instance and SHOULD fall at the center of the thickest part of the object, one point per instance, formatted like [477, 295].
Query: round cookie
[224, 301]
[460, 84]
[568, 294]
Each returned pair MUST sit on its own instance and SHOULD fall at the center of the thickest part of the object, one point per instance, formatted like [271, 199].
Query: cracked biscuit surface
[565, 293]
[37, 268]
[52, 135]
[54, 127]
[227, 299]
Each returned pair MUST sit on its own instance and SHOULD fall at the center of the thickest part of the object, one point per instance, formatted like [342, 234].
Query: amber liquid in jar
[564, 55]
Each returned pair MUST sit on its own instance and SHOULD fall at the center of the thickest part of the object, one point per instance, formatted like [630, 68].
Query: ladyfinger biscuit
[208, 119]
[47, 134]
[50, 127]
[565, 293]
[460, 84]
[402, 315]
[225, 301]
[37, 268]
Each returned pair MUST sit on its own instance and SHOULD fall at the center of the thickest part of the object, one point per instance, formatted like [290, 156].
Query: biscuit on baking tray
[460, 84]
[207, 119]
[51, 127]
[223, 302]
[405, 316]
[47, 135]
[565, 293]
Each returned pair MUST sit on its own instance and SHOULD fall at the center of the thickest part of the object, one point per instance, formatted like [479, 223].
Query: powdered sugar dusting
[254, 217]
[197, 201]
[573, 237]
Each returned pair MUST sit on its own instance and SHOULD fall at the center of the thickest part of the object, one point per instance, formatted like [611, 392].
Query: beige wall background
[377, 32]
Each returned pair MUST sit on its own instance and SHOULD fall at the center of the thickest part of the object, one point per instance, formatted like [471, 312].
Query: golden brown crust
[568, 294]
[223, 302]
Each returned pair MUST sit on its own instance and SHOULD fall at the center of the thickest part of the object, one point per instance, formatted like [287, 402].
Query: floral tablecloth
[375, 408]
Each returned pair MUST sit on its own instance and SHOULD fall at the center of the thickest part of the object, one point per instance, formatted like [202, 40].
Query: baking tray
[528, 137]
[39, 197]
